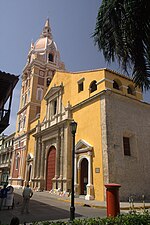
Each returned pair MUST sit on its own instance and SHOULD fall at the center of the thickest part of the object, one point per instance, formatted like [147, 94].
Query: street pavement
[45, 206]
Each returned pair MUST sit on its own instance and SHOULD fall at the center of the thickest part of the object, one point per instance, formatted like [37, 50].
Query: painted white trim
[104, 79]
[79, 161]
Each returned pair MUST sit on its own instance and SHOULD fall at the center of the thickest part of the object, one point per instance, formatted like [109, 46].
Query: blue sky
[72, 24]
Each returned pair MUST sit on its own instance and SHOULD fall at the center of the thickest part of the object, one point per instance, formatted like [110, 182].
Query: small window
[126, 146]
[55, 107]
[80, 87]
[115, 85]
[39, 94]
[48, 81]
[130, 90]
[93, 86]
[50, 57]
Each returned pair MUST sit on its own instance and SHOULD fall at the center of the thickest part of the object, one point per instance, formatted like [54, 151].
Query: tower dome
[45, 49]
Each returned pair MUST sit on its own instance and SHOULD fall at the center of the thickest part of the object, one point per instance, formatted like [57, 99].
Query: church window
[115, 85]
[130, 90]
[80, 85]
[93, 86]
[54, 107]
[50, 57]
[48, 81]
[39, 95]
[126, 146]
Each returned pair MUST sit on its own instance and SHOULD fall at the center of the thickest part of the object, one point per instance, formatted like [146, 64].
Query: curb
[104, 207]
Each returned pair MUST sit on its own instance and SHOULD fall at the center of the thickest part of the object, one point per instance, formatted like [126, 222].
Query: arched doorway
[50, 167]
[84, 176]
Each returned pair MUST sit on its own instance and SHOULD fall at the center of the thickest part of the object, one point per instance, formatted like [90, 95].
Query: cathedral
[113, 125]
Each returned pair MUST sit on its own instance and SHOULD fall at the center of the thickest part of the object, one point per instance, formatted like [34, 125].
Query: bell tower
[42, 61]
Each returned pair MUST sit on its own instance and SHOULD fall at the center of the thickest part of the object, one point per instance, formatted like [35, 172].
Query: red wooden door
[50, 168]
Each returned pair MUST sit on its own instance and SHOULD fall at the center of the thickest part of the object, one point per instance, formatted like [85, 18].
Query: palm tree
[122, 32]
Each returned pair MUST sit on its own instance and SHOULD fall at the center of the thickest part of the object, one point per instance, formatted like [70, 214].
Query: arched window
[48, 81]
[130, 90]
[50, 57]
[39, 95]
[116, 85]
[93, 86]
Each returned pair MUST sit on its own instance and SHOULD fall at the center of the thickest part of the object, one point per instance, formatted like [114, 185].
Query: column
[42, 161]
[57, 163]
[90, 187]
[38, 161]
[42, 167]
[61, 153]
[76, 185]
[35, 159]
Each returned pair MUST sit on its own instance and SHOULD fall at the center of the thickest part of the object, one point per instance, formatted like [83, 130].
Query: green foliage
[122, 32]
[128, 219]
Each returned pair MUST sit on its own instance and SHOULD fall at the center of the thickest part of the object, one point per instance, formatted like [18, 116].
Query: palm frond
[122, 32]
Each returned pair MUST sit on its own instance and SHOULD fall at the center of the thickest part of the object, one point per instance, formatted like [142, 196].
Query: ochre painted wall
[89, 129]
[87, 115]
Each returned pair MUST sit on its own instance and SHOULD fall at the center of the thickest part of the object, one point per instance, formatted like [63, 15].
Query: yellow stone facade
[55, 97]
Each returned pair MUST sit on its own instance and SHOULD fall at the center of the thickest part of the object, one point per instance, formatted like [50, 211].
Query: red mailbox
[112, 198]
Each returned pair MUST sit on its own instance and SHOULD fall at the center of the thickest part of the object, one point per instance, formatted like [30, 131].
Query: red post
[112, 198]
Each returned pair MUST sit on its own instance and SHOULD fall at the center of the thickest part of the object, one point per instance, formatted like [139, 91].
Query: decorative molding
[104, 79]
[82, 146]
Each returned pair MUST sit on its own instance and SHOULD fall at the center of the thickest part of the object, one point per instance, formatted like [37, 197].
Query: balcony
[7, 84]
[4, 119]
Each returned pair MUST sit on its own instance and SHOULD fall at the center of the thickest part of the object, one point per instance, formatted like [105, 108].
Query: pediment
[83, 146]
[52, 91]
